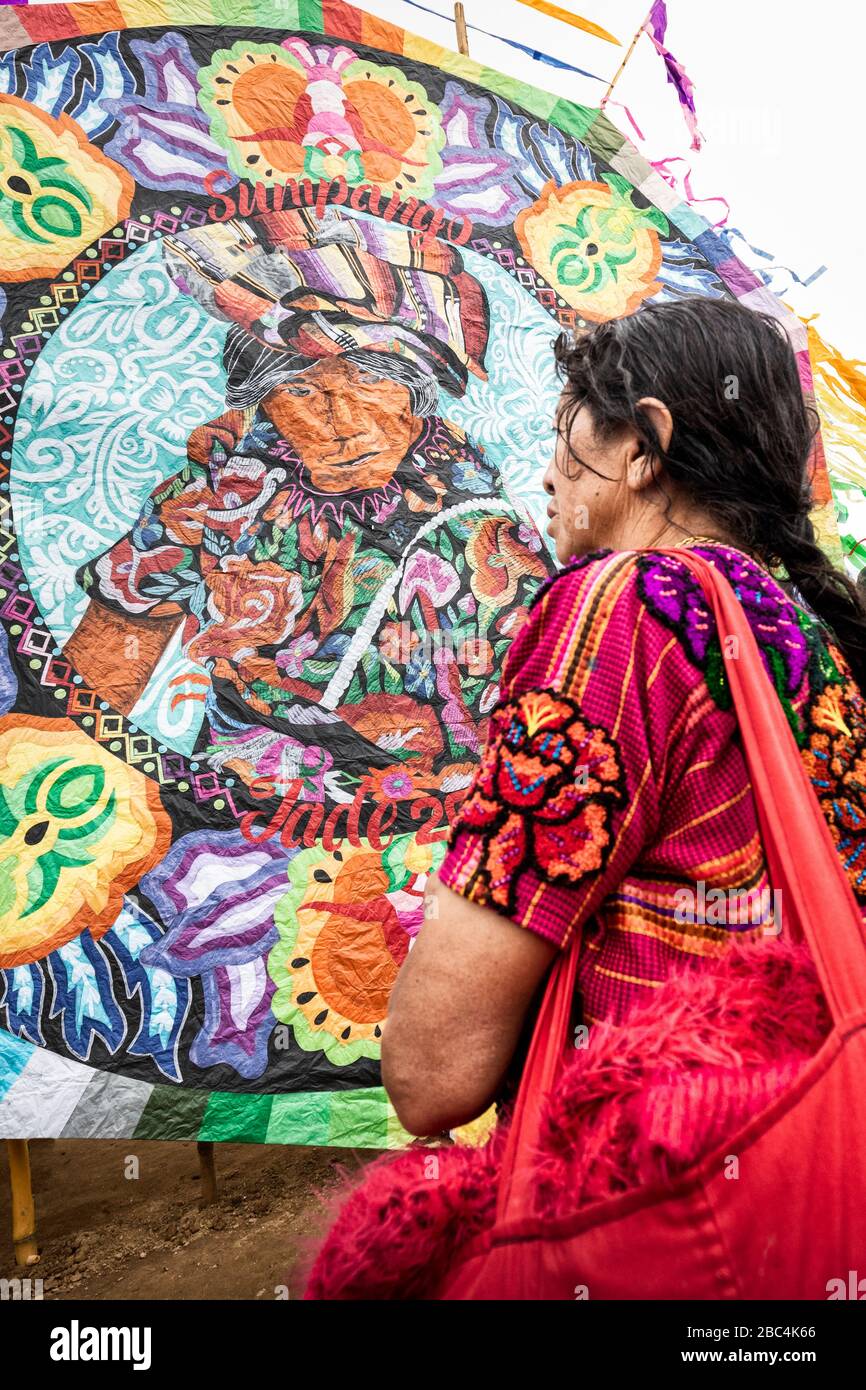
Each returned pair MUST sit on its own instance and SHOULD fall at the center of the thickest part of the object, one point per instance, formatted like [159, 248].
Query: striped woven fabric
[612, 793]
[309, 287]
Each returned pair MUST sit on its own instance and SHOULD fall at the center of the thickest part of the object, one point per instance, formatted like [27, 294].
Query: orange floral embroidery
[543, 795]
[835, 759]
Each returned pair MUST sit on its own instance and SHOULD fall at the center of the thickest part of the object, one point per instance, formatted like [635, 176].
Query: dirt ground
[105, 1235]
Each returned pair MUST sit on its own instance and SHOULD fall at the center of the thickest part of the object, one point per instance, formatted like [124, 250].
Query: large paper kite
[279, 284]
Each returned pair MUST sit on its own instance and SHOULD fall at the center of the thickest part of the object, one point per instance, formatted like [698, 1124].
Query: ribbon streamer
[512, 43]
[575, 20]
[622, 106]
[656, 28]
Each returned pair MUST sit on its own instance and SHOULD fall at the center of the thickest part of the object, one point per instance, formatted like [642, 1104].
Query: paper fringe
[840, 396]
[766, 275]
[661, 166]
[686, 192]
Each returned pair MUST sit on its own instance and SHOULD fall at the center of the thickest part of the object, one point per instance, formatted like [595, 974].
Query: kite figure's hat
[298, 289]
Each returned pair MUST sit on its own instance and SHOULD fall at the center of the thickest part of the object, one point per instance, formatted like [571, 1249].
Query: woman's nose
[547, 480]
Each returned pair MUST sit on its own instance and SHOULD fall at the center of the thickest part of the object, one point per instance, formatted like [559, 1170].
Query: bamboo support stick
[23, 1212]
[618, 74]
[460, 25]
[207, 1167]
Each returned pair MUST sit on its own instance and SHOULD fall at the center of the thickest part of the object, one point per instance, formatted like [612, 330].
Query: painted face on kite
[349, 430]
[265, 551]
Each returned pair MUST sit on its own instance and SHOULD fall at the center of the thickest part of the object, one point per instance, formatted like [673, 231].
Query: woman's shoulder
[579, 574]
[625, 585]
[662, 581]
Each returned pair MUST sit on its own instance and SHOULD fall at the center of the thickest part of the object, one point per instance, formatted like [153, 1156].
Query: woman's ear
[639, 470]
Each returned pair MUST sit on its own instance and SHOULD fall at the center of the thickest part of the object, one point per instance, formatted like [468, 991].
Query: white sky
[780, 99]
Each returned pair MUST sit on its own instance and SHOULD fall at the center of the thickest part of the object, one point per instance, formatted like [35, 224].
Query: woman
[612, 798]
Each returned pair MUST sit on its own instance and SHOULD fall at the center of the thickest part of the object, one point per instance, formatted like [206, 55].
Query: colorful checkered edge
[46, 1096]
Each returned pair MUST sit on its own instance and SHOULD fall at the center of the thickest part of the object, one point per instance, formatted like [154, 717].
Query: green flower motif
[597, 243]
[581, 261]
[78, 827]
[40, 199]
[50, 821]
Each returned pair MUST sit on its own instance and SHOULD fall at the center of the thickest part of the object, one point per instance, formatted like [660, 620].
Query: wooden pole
[618, 74]
[23, 1213]
[207, 1167]
[460, 25]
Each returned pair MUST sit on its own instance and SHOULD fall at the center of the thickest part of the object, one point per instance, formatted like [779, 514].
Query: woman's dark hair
[742, 432]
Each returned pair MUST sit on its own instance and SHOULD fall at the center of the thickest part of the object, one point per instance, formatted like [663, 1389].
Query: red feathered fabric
[642, 1102]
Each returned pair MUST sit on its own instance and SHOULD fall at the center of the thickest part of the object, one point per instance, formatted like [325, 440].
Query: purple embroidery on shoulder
[673, 595]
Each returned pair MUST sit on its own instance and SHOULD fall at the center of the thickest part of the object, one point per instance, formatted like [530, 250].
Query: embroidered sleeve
[154, 568]
[569, 785]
